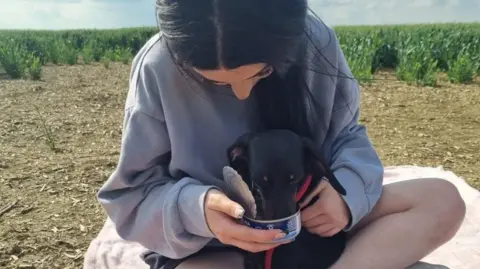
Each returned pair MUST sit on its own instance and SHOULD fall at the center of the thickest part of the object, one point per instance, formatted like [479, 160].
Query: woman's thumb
[220, 202]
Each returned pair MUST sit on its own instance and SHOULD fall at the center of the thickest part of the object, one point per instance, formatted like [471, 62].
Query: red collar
[301, 192]
[304, 188]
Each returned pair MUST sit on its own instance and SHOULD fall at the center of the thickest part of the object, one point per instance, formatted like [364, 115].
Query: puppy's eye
[294, 179]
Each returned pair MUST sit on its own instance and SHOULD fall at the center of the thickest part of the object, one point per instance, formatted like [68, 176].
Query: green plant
[92, 51]
[70, 56]
[48, 132]
[360, 52]
[111, 55]
[124, 55]
[34, 68]
[462, 69]
[119, 55]
[13, 58]
[87, 55]
[416, 65]
[106, 62]
[67, 53]
[54, 52]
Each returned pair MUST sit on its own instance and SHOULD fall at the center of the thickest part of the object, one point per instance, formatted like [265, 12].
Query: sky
[74, 14]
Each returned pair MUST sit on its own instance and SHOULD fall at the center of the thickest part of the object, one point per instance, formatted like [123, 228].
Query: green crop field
[416, 52]
[62, 97]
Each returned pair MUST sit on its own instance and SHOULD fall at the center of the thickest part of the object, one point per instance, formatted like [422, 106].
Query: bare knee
[447, 202]
[445, 207]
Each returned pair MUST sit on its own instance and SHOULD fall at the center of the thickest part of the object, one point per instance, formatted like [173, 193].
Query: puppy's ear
[319, 165]
[237, 155]
[239, 149]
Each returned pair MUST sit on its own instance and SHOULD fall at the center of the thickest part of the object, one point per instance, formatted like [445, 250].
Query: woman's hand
[222, 214]
[328, 215]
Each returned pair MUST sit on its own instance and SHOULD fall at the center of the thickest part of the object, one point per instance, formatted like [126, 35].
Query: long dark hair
[209, 34]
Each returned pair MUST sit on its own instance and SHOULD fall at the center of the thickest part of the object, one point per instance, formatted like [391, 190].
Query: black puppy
[275, 164]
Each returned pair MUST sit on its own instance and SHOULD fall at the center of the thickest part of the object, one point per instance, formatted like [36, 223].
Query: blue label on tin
[290, 226]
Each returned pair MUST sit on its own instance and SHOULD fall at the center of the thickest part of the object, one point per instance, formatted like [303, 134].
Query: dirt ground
[60, 141]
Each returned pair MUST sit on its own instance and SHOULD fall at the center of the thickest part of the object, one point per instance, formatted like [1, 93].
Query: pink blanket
[109, 251]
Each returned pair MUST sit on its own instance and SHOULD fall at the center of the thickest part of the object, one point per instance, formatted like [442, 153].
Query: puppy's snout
[269, 210]
[279, 207]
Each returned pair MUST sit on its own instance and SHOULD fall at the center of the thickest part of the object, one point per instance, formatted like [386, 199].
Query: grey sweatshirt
[175, 123]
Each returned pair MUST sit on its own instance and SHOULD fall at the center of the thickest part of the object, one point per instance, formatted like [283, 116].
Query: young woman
[220, 68]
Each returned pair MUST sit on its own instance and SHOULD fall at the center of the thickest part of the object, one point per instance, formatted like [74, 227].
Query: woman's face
[241, 79]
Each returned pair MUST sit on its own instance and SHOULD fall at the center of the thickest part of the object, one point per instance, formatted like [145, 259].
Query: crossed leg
[411, 220]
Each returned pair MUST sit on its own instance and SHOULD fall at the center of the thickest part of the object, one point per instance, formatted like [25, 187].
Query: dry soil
[60, 141]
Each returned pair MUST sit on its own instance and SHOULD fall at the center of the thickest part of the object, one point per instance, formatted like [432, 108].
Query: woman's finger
[250, 246]
[330, 232]
[313, 211]
[322, 229]
[245, 233]
[314, 193]
[218, 201]
[228, 227]
[318, 220]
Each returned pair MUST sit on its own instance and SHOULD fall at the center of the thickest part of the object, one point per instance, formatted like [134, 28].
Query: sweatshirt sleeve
[144, 202]
[354, 160]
